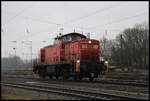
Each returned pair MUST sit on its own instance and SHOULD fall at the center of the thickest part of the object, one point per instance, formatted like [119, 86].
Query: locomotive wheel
[43, 76]
[65, 74]
[91, 78]
[57, 77]
[50, 77]
[65, 77]
[80, 77]
[75, 78]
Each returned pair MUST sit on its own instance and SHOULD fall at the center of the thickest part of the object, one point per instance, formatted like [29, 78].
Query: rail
[79, 94]
[115, 81]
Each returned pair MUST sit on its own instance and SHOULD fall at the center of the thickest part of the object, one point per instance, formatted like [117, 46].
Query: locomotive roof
[48, 46]
[73, 33]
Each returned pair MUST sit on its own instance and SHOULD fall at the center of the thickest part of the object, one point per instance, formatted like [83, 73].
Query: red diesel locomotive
[71, 55]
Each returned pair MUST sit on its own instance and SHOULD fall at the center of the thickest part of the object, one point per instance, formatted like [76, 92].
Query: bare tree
[132, 47]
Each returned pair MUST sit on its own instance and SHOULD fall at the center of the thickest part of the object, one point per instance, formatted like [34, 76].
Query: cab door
[42, 55]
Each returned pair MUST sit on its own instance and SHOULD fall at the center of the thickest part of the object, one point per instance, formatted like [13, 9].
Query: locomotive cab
[90, 65]
[66, 42]
[84, 54]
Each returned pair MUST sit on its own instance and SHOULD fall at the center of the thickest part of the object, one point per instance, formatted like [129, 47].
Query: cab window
[67, 38]
[56, 41]
[89, 46]
[95, 46]
[84, 46]
[78, 38]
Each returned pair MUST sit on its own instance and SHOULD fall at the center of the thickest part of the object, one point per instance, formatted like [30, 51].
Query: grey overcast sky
[42, 21]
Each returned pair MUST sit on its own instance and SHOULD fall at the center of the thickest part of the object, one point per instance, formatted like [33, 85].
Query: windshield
[78, 38]
[56, 41]
[67, 38]
[91, 46]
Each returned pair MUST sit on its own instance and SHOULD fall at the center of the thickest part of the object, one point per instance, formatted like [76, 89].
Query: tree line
[13, 63]
[129, 48]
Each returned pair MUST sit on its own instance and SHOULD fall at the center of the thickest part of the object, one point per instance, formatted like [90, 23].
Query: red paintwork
[86, 54]
[72, 51]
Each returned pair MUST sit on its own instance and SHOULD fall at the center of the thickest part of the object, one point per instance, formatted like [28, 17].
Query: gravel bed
[84, 85]
[37, 95]
[99, 86]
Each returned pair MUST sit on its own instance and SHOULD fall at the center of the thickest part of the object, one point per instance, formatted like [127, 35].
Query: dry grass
[14, 96]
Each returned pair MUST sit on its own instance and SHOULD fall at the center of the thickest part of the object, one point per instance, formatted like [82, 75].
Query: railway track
[126, 82]
[115, 81]
[76, 94]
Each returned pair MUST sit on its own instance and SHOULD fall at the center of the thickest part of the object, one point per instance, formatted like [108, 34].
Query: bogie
[91, 78]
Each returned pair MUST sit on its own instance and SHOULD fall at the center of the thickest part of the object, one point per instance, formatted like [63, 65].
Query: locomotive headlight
[78, 61]
[106, 62]
[89, 42]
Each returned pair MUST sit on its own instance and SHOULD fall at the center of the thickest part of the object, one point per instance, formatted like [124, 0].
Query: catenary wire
[93, 13]
[116, 21]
